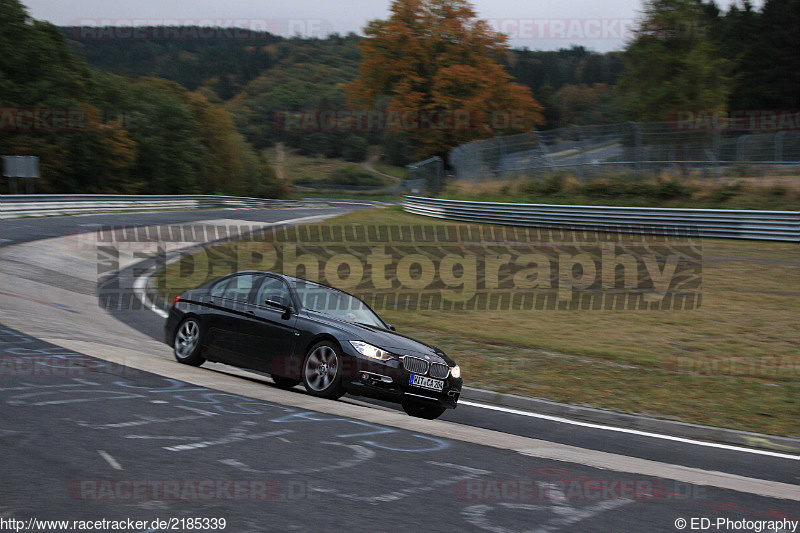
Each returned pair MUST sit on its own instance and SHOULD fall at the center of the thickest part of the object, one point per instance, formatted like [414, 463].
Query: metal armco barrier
[32, 205]
[760, 225]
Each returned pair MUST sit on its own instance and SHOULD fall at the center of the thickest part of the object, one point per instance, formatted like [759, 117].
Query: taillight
[175, 301]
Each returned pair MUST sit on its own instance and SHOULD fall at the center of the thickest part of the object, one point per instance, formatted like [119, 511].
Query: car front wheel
[186, 343]
[322, 371]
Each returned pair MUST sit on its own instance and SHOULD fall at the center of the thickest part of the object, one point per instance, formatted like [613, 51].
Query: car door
[211, 317]
[225, 319]
[268, 332]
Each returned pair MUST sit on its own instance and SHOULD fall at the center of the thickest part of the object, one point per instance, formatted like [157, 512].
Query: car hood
[388, 340]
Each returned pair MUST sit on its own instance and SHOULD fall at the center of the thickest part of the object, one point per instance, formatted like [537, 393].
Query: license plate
[426, 383]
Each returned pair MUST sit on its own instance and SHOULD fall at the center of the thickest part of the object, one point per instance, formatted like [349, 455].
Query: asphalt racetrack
[99, 423]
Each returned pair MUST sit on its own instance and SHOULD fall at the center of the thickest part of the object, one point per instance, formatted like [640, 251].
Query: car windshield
[338, 304]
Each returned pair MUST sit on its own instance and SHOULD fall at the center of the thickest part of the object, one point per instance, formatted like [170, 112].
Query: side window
[238, 288]
[219, 288]
[275, 290]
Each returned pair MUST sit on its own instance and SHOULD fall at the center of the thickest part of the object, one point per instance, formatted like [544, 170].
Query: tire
[186, 342]
[423, 410]
[285, 383]
[322, 371]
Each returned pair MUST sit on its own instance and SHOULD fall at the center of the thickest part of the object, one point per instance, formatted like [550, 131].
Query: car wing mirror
[390, 327]
[278, 305]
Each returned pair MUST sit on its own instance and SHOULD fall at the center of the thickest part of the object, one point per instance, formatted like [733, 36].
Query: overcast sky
[539, 25]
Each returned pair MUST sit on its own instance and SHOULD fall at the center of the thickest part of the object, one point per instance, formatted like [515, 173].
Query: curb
[641, 423]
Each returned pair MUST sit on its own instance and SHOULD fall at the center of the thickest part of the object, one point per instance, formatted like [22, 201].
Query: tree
[355, 148]
[768, 63]
[672, 64]
[583, 104]
[123, 135]
[438, 66]
[307, 76]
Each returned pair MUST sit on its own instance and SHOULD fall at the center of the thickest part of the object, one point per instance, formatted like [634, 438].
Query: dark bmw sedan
[300, 331]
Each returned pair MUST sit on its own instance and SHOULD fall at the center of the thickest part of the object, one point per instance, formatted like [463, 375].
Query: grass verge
[298, 168]
[770, 193]
[731, 363]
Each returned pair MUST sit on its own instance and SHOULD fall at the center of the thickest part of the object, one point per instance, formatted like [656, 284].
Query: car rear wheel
[322, 371]
[186, 343]
[423, 410]
[285, 383]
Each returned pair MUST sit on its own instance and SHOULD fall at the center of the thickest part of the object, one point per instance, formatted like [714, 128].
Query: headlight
[455, 371]
[371, 351]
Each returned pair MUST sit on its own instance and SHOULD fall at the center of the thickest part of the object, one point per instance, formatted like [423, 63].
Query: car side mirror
[279, 305]
[390, 327]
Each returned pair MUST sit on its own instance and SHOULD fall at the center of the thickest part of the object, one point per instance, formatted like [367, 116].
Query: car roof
[286, 278]
[295, 279]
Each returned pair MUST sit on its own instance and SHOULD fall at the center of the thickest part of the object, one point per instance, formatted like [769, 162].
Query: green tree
[672, 64]
[355, 148]
[582, 104]
[396, 148]
[123, 135]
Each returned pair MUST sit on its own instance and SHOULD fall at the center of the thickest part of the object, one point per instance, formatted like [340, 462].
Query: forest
[192, 115]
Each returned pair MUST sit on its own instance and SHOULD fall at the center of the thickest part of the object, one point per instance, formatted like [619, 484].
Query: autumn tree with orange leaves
[437, 66]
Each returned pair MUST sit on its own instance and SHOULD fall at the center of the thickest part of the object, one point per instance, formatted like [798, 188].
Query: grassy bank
[731, 363]
[770, 193]
[296, 168]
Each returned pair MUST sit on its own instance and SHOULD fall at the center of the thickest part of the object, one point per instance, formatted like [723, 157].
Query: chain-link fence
[650, 148]
[426, 176]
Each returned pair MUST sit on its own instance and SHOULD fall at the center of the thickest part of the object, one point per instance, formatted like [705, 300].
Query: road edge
[637, 422]
[147, 294]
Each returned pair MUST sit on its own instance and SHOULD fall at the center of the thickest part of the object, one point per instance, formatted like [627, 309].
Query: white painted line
[630, 431]
[449, 432]
[140, 283]
[110, 460]
[140, 290]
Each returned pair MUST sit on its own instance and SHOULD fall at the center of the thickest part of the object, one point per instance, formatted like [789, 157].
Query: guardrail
[34, 205]
[760, 225]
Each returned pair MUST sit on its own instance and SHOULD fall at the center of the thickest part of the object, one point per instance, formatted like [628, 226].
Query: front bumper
[388, 380]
